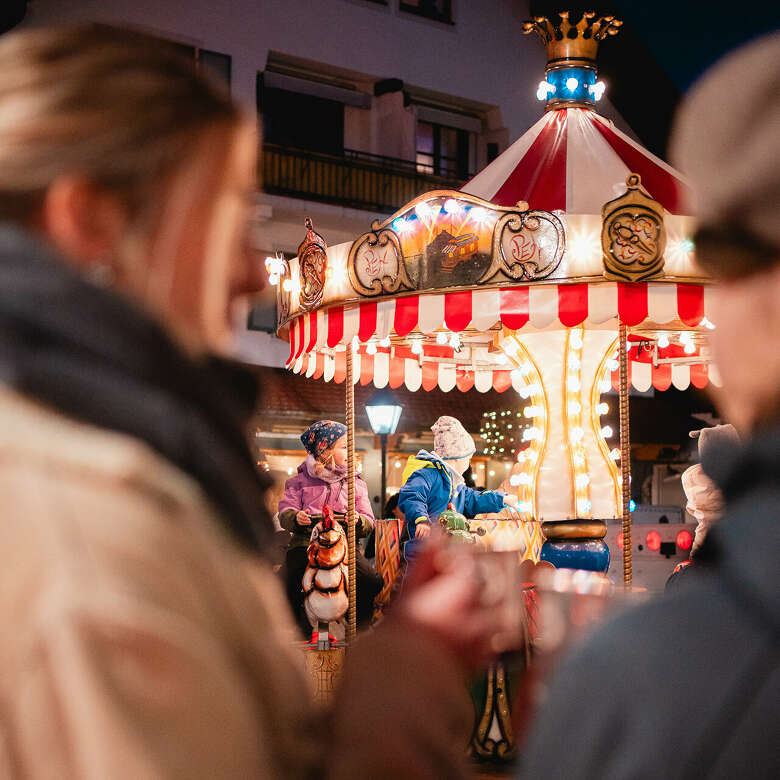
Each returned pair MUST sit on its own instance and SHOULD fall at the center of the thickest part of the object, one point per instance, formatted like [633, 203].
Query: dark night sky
[687, 36]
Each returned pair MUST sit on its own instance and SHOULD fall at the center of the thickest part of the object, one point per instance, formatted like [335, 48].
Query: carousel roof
[575, 160]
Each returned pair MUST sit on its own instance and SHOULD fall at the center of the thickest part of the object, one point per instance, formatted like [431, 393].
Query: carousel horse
[326, 579]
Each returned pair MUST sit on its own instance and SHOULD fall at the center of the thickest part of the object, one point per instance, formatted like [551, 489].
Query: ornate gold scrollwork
[312, 265]
[633, 235]
[526, 245]
[376, 263]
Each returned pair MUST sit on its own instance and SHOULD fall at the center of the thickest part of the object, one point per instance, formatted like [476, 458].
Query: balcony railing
[356, 179]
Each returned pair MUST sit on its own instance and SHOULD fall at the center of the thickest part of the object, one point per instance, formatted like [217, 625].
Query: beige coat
[135, 646]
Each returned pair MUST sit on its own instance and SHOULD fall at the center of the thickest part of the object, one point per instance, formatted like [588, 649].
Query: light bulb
[514, 480]
[613, 365]
[574, 407]
[614, 454]
[455, 342]
[572, 84]
[690, 348]
[441, 338]
[576, 434]
[584, 506]
[287, 285]
[451, 206]
[576, 340]
[582, 480]
[371, 348]
[663, 341]
[525, 367]
[597, 90]
[604, 386]
[531, 455]
[575, 364]
[579, 459]
[423, 210]
[385, 342]
[606, 431]
[603, 408]
[417, 347]
[573, 384]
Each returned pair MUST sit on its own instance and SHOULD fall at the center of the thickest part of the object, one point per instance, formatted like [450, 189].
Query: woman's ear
[82, 220]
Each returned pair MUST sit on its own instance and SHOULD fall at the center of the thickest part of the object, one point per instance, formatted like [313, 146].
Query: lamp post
[383, 412]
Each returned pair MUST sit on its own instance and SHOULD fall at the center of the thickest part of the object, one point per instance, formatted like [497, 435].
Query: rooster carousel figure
[326, 580]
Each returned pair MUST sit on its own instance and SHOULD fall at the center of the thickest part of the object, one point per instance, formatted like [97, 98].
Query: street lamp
[383, 412]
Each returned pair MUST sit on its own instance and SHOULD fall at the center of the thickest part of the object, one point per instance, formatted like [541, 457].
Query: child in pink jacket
[322, 480]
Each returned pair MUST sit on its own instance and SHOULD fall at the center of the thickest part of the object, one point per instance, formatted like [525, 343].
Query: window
[439, 10]
[443, 151]
[300, 121]
[492, 151]
[219, 65]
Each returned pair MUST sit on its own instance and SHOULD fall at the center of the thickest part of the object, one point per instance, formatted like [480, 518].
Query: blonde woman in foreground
[133, 644]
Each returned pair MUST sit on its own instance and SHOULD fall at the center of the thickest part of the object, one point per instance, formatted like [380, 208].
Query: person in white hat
[433, 480]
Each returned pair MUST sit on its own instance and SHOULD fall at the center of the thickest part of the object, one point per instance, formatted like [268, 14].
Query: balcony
[354, 179]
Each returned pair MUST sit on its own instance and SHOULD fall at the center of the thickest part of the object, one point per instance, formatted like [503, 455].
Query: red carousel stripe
[397, 371]
[502, 381]
[406, 313]
[292, 343]
[319, 366]
[700, 376]
[366, 369]
[632, 302]
[301, 335]
[572, 304]
[312, 331]
[662, 376]
[335, 325]
[690, 304]
[464, 380]
[437, 351]
[540, 175]
[513, 307]
[616, 377]
[457, 310]
[340, 370]
[661, 184]
[367, 322]
[430, 375]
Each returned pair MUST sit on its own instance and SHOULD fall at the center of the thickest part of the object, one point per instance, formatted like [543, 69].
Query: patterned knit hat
[451, 441]
[322, 435]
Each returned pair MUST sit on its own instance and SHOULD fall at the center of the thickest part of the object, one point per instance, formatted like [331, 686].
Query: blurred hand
[422, 530]
[441, 597]
[302, 518]
[510, 499]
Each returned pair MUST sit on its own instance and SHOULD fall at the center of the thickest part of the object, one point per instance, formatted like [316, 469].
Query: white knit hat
[451, 441]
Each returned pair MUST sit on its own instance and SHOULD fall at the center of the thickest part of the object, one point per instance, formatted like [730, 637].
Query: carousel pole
[351, 518]
[625, 456]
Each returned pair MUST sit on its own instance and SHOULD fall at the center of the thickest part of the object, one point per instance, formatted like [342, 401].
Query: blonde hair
[118, 107]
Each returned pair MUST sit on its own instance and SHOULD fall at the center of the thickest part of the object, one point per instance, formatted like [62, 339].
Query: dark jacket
[688, 685]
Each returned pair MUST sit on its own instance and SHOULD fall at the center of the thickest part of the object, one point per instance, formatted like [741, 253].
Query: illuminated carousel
[563, 270]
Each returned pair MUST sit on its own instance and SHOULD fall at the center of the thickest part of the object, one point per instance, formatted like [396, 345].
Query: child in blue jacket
[432, 480]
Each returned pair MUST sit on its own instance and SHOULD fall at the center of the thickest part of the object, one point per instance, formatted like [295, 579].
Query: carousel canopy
[575, 160]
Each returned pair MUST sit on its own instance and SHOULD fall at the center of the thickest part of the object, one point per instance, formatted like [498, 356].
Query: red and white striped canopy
[437, 366]
[318, 339]
[538, 306]
[571, 160]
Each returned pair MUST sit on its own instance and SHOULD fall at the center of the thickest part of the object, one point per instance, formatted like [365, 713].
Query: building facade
[363, 104]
